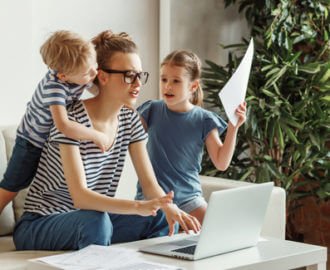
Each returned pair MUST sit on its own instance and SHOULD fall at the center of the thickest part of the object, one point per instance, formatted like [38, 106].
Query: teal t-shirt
[175, 146]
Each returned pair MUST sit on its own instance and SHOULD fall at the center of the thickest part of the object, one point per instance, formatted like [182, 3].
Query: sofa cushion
[6, 244]
[9, 135]
[7, 220]
[19, 203]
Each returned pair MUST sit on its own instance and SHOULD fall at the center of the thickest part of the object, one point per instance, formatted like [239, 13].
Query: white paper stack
[96, 257]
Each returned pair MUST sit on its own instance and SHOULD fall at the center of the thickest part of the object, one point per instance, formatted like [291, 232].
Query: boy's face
[84, 75]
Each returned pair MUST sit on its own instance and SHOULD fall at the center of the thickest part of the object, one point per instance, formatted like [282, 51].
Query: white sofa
[274, 225]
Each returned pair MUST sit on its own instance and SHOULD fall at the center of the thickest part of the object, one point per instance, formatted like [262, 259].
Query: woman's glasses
[130, 75]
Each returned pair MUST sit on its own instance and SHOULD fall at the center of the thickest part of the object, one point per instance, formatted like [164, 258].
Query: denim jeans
[22, 166]
[80, 228]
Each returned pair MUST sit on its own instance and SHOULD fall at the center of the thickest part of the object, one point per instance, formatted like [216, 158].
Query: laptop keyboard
[186, 250]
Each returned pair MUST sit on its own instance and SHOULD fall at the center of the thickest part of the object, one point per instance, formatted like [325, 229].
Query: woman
[70, 203]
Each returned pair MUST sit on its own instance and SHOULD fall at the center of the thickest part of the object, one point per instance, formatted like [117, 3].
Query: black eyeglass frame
[127, 78]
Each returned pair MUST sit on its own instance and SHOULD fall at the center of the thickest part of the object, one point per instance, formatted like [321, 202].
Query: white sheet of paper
[92, 257]
[101, 258]
[233, 93]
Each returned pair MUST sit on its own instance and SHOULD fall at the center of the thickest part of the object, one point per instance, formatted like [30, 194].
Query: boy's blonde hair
[66, 52]
[192, 64]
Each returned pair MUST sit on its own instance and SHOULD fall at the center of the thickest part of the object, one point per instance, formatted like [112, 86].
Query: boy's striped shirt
[37, 120]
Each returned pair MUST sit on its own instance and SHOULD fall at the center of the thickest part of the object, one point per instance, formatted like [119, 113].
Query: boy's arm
[75, 130]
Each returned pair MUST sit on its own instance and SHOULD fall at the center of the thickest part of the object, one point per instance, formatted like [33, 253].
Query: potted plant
[286, 138]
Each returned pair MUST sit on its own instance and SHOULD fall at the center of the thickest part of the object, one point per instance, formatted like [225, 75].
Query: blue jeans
[22, 166]
[80, 228]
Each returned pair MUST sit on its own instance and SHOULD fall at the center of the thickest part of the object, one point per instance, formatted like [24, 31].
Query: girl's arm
[144, 124]
[84, 198]
[222, 153]
[151, 189]
[75, 130]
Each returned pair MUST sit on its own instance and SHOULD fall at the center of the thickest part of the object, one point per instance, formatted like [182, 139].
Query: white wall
[25, 24]
[200, 25]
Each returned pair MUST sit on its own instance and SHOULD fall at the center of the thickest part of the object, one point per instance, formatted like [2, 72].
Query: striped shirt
[49, 193]
[37, 120]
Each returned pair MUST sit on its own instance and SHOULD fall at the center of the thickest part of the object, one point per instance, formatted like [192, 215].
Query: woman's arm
[84, 198]
[222, 153]
[140, 158]
[151, 189]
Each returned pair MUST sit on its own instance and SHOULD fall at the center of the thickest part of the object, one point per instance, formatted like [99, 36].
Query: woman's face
[116, 84]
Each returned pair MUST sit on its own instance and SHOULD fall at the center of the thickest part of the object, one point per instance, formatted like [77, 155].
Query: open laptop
[233, 221]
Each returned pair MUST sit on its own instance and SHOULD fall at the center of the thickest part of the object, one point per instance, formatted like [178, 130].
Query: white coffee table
[270, 254]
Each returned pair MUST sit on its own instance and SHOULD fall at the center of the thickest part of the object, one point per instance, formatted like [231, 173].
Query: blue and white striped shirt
[49, 193]
[37, 121]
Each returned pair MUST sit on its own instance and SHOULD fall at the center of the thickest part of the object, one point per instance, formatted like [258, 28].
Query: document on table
[96, 257]
[233, 93]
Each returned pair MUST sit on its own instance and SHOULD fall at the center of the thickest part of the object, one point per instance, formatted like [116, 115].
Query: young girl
[178, 128]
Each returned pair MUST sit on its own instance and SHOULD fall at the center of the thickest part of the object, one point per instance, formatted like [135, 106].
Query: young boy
[72, 68]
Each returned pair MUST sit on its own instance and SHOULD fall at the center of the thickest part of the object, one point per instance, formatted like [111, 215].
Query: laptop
[233, 221]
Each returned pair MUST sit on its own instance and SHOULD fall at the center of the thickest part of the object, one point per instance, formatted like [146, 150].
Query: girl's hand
[241, 114]
[186, 221]
[150, 207]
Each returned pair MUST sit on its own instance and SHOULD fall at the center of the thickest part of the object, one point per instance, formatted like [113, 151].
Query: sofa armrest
[274, 224]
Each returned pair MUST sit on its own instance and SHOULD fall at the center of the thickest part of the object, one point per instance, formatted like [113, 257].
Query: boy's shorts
[194, 203]
[22, 166]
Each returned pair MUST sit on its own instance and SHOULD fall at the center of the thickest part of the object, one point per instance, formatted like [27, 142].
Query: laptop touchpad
[183, 243]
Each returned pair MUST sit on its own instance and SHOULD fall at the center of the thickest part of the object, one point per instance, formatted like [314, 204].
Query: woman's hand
[150, 207]
[241, 114]
[186, 221]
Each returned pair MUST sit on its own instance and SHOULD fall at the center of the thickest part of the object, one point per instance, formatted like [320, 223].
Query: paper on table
[101, 257]
[233, 93]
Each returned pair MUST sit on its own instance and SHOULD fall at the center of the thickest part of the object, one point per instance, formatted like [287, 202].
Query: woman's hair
[193, 66]
[66, 52]
[107, 44]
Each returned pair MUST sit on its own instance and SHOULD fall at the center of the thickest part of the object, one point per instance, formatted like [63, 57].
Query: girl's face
[176, 87]
[127, 65]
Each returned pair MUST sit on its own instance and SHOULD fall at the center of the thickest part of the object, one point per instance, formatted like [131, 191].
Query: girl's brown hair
[192, 64]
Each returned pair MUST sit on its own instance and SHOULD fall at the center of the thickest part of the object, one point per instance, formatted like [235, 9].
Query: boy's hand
[150, 207]
[102, 141]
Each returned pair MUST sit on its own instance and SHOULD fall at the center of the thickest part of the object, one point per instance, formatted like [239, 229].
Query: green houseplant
[286, 138]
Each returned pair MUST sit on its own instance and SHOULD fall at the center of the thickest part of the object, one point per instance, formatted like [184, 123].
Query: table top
[270, 254]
